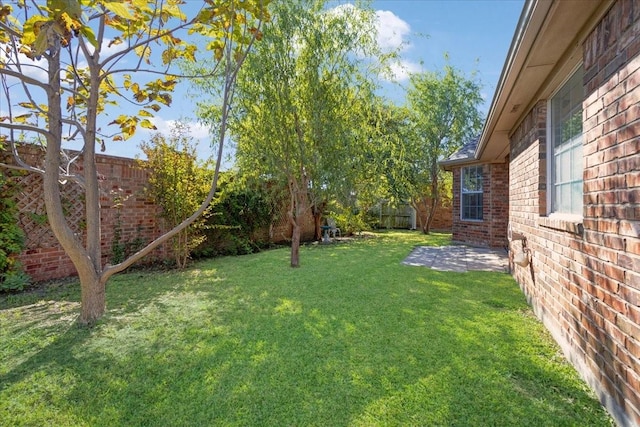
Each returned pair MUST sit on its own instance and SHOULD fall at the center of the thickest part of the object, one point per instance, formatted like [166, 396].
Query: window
[565, 146]
[471, 193]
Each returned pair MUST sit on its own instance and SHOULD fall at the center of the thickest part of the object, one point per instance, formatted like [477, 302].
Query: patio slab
[459, 258]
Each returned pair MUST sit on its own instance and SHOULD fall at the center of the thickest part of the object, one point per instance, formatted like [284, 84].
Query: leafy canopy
[104, 45]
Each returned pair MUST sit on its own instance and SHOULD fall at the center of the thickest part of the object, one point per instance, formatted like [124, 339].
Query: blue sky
[475, 34]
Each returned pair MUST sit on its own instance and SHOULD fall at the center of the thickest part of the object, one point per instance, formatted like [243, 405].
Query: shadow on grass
[351, 338]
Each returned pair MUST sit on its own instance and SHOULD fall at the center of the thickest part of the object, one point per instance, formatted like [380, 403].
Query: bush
[15, 280]
[238, 212]
[178, 183]
[11, 237]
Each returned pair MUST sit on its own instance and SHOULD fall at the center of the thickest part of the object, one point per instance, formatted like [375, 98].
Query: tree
[300, 95]
[370, 164]
[178, 182]
[442, 115]
[82, 47]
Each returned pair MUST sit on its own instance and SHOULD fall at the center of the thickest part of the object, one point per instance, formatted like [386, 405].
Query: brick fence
[125, 206]
[136, 216]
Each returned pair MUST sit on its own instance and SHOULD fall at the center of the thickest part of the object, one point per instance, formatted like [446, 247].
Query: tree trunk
[295, 245]
[423, 222]
[85, 262]
[298, 215]
[93, 297]
[317, 220]
[431, 215]
[298, 207]
[434, 203]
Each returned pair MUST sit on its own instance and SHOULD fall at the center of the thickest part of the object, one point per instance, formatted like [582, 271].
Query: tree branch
[23, 77]
[228, 93]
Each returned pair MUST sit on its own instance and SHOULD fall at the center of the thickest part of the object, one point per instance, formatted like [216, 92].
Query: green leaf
[41, 44]
[87, 32]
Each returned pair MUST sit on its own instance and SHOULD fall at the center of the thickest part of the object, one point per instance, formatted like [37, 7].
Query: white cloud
[36, 69]
[402, 70]
[199, 133]
[196, 130]
[392, 31]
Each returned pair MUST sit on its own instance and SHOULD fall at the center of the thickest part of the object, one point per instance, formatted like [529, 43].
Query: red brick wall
[492, 230]
[584, 277]
[44, 259]
[442, 219]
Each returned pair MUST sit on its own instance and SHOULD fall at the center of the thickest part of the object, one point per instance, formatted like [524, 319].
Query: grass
[352, 337]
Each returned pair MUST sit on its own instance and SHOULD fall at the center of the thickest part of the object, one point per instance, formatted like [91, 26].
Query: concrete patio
[459, 258]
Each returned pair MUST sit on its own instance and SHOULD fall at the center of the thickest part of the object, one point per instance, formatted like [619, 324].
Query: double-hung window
[471, 193]
[565, 146]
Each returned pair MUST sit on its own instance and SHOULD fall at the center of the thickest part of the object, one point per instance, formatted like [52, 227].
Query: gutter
[516, 42]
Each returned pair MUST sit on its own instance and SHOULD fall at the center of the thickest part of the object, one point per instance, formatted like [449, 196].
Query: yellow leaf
[143, 51]
[141, 5]
[32, 27]
[148, 125]
[118, 9]
[140, 96]
[127, 132]
[119, 120]
[145, 113]
[116, 41]
[22, 118]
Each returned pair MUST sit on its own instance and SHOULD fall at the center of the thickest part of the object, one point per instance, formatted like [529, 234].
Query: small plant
[15, 280]
[11, 237]
[178, 182]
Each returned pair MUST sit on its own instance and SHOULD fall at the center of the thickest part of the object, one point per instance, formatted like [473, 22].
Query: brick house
[557, 169]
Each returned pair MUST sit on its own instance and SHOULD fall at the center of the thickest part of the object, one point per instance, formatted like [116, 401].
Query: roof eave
[546, 46]
[516, 42]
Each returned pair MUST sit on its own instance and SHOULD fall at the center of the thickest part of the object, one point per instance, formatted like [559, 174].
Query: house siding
[583, 280]
[492, 230]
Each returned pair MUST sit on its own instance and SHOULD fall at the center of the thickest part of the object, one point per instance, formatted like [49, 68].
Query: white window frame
[570, 148]
[471, 192]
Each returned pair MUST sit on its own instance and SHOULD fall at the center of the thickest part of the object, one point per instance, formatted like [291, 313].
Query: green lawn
[352, 337]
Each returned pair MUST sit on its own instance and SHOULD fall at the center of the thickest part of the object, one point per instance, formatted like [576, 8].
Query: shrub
[11, 237]
[178, 183]
[240, 209]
